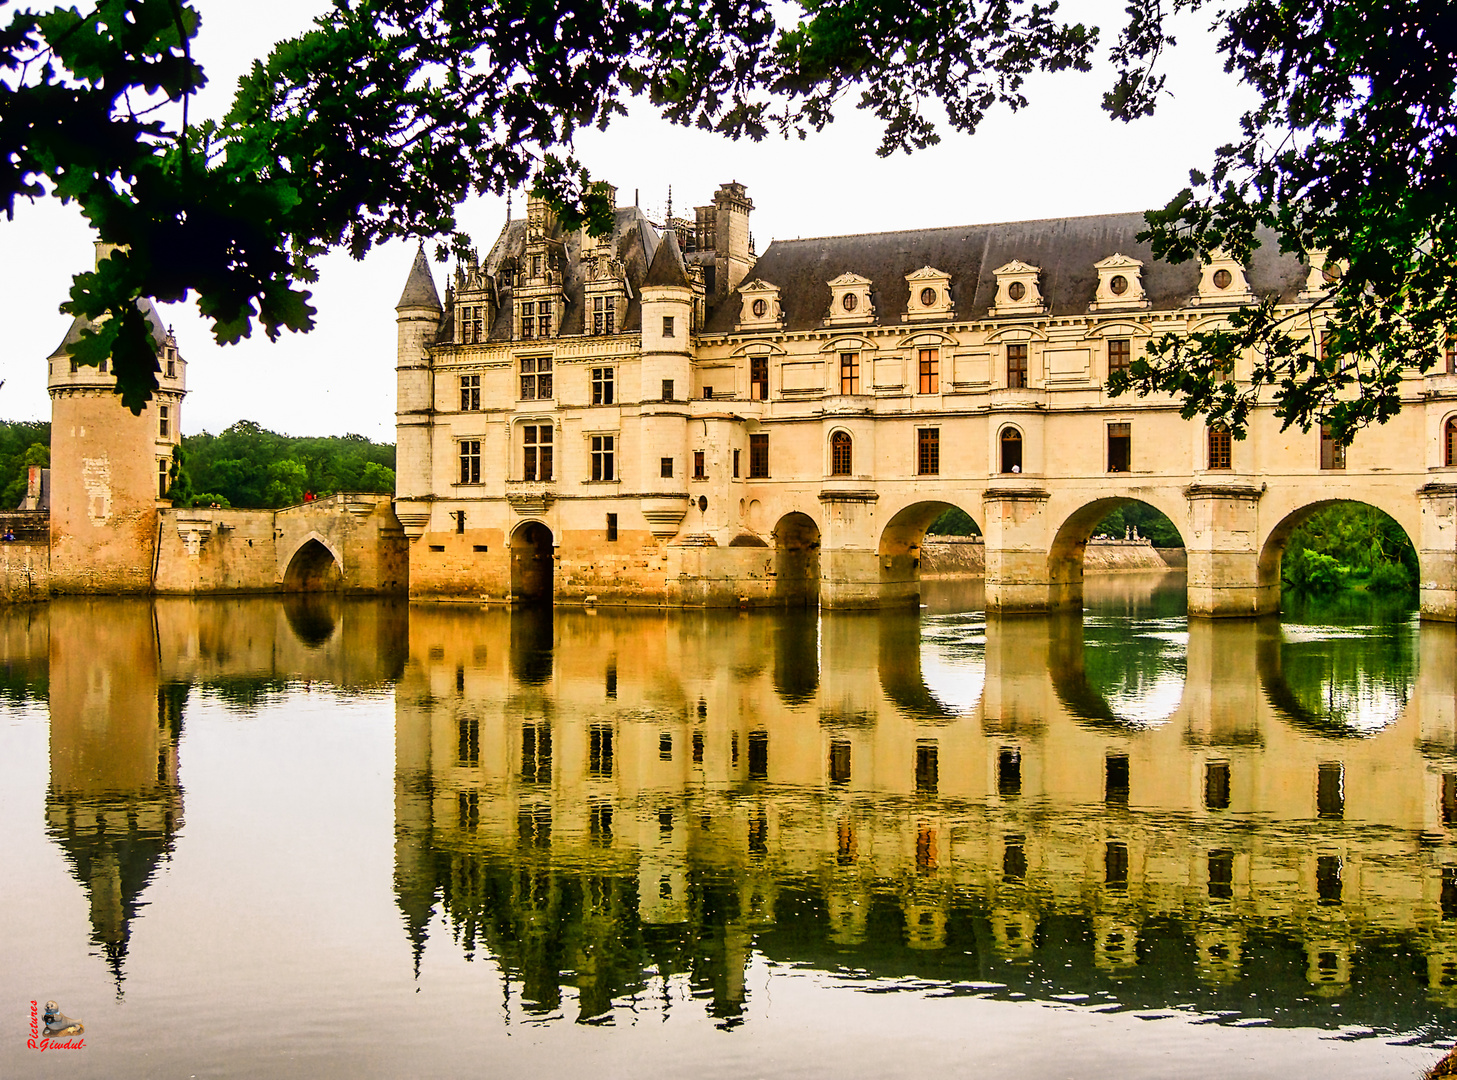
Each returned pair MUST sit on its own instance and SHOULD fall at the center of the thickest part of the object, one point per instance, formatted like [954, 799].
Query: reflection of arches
[797, 560]
[1065, 560]
[312, 617]
[842, 454]
[900, 667]
[796, 656]
[1272, 552]
[1011, 450]
[313, 568]
[531, 562]
[533, 635]
[1137, 669]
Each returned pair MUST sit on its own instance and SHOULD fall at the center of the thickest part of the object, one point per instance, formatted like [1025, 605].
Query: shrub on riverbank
[1349, 545]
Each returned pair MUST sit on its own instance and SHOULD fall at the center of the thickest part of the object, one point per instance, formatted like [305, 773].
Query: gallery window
[759, 378]
[928, 366]
[842, 450]
[928, 451]
[470, 393]
[603, 454]
[1221, 449]
[537, 446]
[1016, 367]
[1332, 453]
[1011, 447]
[603, 388]
[1120, 448]
[470, 461]
[1119, 352]
[849, 371]
[758, 457]
[535, 377]
[1451, 441]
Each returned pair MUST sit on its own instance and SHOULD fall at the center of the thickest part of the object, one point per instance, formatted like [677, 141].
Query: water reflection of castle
[604, 799]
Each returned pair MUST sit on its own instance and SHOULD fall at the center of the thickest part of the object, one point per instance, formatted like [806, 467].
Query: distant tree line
[1150, 523]
[245, 466]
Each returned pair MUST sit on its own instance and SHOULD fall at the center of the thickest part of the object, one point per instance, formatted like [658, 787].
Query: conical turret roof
[420, 286]
[667, 267]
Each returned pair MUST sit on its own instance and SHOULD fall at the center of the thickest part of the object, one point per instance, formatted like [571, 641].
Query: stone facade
[690, 424]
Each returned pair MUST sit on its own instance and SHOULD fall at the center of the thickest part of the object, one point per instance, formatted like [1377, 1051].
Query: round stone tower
[109, 468]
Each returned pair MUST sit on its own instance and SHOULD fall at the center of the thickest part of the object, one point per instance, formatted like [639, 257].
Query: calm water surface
[253, 838]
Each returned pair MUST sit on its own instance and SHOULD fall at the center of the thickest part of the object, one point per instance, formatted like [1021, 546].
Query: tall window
[667, 389]
[1221, 452]
[1016, 366]
[928, 451]
[602, 386]
[700, 471]
[758, 457]
[849, 373]
[535, 377]
[470, 461]
[611, 526]
[1011, 450]
[543, 318]
[667, 326]
[472, 324]
[759, 378]
[1120, 447]
[841, 454]
[604, 315]
[1452, 441]
[164, 421]
[665, 468]
[929, 369]
[162, 477]
[537, 443]
[1332, 453]
[470, 393]
[1118, 355]
[528, 319]
[603, 451]
[1450, 352]
[736, 464]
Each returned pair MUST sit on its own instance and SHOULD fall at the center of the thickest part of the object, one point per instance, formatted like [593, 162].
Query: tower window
[842, 450]
[1451, 458]
[535, 377]
[758, 755]
[1221, 452]
[470, 393]
[1120, 447]
[162, 477]
[602, 385]
[667, 389]
[736, 459]
[164, 421]
[1115, 788]
[839, 761]
[700, 471]
[668, 326]
[759, 378]
[1221, 875]
[537, 442]
[1009, 772]
[1115, 865]
[927, 769]
[603, 452]
[665, 468]
[1011, 450]
[1330, 790]
[171, 368]
[1332, 453]
[929, 370]
[470, 461]
[849, 370]
[758, 457]
[1216, 785]
[1016, 367]
[928, 451]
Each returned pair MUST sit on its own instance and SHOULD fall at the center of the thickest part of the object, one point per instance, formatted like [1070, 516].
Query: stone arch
[532, 563]
[314, 567]
[1272, 545]
[797, 560]
[899, 549]
[1065, 558]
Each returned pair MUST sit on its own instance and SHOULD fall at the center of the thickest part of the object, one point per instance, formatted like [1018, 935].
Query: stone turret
[667, 377]
[109, 468]
[723, 228]
[417, 322]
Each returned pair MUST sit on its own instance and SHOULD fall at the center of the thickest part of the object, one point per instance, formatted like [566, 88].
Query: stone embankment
[25, 571]
[965, 556]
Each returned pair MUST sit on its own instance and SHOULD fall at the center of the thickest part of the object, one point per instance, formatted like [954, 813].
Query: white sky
[1060, 157]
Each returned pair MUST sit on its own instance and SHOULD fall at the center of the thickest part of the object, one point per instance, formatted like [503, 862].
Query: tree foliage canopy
[378, 121]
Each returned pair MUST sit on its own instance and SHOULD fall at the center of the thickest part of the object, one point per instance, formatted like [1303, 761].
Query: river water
[248, 837]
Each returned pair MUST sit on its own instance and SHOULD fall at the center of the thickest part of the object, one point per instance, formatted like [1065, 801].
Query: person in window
[1016, 468]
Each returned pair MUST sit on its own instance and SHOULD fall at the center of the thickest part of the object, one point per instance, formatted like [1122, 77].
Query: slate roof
[420, 285]
[667, 268]
[1065, 248]
[80, 323]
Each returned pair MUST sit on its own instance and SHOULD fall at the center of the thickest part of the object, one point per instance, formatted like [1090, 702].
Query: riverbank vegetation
[1349, 545]
[245, 466]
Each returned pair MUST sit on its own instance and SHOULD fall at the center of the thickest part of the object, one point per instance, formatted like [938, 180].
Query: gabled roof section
[1067, 249]
[667, 268]
[420, 285]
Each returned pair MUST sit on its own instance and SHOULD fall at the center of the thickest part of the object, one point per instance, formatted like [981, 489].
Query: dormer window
[1222, 281]
[472, 324]
[929, 296]
[1120, 284]
[604, 315]
[850, 300]
[528, 319]
[760, 308]
[1018, 292]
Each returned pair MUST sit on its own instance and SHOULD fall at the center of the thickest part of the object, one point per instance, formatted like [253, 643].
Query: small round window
[760, 306]
[1016, 290]
[928, 297]
[703, 504]
[850, 301]
[1222, 279]
[1118, 285]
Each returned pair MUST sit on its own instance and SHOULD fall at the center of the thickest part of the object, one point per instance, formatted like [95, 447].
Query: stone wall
[25, 571]
[956, 556]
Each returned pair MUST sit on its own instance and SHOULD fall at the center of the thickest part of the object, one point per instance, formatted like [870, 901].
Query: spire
[420, 286]
[669, 220]
[667, 268]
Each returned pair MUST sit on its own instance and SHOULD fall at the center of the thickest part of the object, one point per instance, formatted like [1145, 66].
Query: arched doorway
[797, 561]
[313, 568]
[531, 563]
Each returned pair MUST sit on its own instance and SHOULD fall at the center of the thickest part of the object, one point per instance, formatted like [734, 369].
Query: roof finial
[508, 207]
[670, 205]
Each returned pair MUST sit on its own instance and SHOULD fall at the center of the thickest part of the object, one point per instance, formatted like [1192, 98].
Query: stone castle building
[660, 416]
